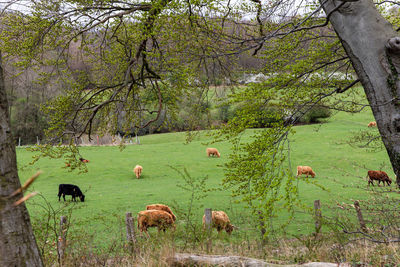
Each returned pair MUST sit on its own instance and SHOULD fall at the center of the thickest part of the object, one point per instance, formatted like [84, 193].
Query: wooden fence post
[208, 222]
[360, 216]
[62, 240]
[318, 216]
[130, 231]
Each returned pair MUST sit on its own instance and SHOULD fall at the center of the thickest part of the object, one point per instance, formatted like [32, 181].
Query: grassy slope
[112, 188]
[340, 168]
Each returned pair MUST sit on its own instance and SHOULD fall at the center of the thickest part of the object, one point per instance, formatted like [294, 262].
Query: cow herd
[162, 217]
[155, 215]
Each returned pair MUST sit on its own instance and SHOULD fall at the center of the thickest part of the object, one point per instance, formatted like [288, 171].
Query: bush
[316, 113]
[260, 117]
[269, 116]
[225, 113]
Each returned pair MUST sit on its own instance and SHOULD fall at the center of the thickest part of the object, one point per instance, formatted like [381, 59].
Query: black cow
[70, 189]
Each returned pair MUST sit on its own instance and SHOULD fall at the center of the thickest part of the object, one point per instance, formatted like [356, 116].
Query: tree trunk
[374, 50]
[17, 242]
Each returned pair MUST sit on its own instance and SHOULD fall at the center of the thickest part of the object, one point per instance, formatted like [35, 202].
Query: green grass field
[112, 189]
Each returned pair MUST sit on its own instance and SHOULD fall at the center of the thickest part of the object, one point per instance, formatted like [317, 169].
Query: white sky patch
[17, 5]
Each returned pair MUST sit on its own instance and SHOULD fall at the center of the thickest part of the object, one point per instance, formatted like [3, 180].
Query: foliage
[315, 113]
[257, 173]
[225, 113]
[70, 154]
[258, 170]
[28, 122]
[197, 189]
[46, 226]
[193, 112]
[134, 72]
[380, 213]
[368, 139]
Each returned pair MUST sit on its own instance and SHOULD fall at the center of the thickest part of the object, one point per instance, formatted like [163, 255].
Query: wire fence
[94, 140]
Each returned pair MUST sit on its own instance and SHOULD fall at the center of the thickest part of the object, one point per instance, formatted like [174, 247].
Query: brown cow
[138, 170]
[84, 160]
[372, 124]
[307, 170]
[161, 207]
[154, 218]
[380, 176]
[212, 152]
[220, 221]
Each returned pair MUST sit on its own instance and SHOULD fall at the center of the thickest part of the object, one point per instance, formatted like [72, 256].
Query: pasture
[112, 189]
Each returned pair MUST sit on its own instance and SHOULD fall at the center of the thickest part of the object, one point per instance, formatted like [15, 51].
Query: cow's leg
[63, 196]
[145, 230]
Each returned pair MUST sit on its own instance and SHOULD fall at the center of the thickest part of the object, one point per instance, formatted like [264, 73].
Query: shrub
[269, 116]
[316, 113]
[225, 113]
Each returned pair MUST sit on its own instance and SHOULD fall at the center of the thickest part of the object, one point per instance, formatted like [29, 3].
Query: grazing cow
[380, 176]
[372, 124]
[212, 152]
[138, 170]
[307, 170]
[70, 189]
[161, 207]
[220, 221]
[154, 218]
[84, 160]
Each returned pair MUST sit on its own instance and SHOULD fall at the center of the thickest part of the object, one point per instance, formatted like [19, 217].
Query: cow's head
[229, 228]
[82, 198]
